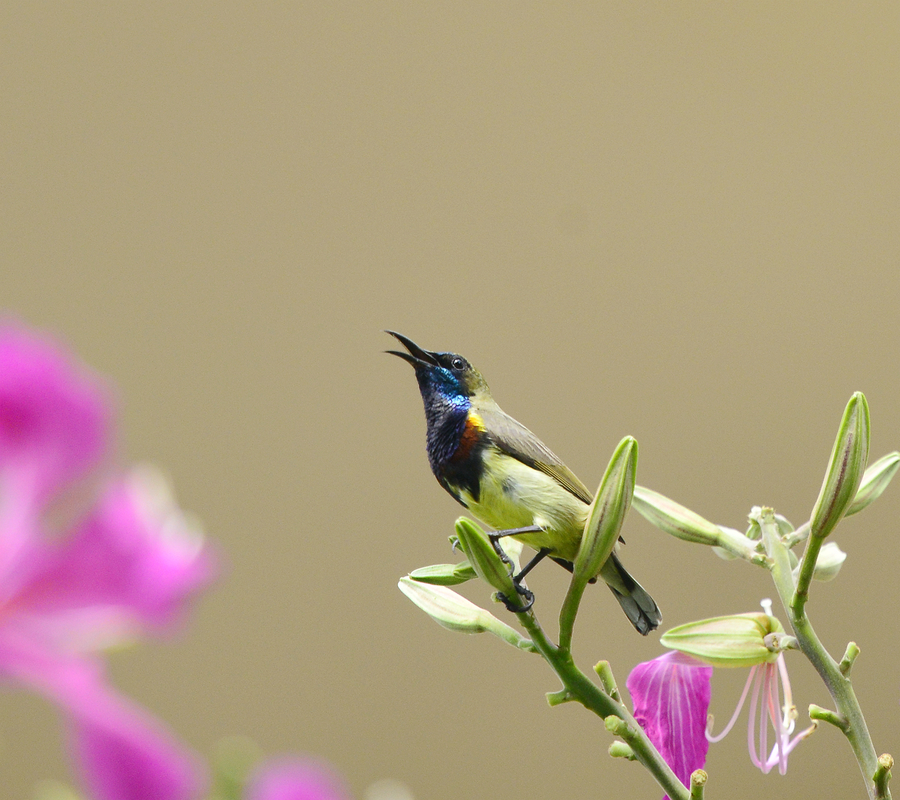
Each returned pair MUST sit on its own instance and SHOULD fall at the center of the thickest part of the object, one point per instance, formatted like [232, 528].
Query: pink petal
[120, 751]
[54, 415]
[671, 697]
[125, 754]
[133, 563]
[294, 779]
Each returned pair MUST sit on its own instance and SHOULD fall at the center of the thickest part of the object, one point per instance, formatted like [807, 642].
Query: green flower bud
[846, 468]
[732, 641]
[622, 750]
[452, 611]
[784, 525]
[607, 512]
[828, 563]
[444, 574]
[874, 482]
[484, 558]
[754, 532]
[447, 608]
[674, 519]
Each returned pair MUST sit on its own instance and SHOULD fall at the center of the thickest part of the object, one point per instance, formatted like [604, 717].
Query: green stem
[807, 567]
[607, 681]
[819, 714]
[839, 686]
[569, 611]
[794, 538]
[582, 689]
[857, 732]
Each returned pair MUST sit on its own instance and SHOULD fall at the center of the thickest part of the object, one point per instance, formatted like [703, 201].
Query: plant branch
[838, 684]
[807, 567]
[579, 687]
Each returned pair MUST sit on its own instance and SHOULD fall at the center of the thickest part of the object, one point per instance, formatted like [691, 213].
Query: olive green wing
[514, 439]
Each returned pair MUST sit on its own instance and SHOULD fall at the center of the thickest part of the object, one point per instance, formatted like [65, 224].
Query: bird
[508, 478]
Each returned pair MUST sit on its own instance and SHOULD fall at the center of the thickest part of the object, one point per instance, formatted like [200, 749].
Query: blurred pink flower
[293, 779]
[126, 566]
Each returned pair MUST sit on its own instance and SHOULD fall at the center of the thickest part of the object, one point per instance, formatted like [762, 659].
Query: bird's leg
[495, 536]
[517, 579]
[515, 531]
[539, 556]
[569, 566]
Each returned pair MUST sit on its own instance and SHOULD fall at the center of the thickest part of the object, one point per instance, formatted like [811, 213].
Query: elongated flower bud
[874, 482]
[733, 641]
[452, 611]
[444, 574]
[846, 468]
[484, 558]
[607, 512]
[673, 518]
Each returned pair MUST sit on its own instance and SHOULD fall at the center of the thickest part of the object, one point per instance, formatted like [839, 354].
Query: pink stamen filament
[765, 678]
[758, 683]
[740, 705]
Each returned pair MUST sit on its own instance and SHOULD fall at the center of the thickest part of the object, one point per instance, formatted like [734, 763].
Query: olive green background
[672, 220]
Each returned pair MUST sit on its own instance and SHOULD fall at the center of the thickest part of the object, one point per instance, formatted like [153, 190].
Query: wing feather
[514, 439]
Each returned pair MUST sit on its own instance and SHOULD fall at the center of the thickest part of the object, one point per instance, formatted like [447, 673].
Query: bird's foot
[517, 609]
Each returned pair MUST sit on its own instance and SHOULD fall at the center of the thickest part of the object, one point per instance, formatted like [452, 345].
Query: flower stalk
[580, 688]
[829, 670]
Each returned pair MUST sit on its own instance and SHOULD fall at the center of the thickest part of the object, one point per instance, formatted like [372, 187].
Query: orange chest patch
[470, 437]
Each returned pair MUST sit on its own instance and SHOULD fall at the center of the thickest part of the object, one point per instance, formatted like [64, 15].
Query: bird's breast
[512, 494]
[455, 451]
[470, 437]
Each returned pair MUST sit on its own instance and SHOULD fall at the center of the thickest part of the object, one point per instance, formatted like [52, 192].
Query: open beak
[416, 355]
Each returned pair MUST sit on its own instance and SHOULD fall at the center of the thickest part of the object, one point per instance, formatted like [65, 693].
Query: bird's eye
[457, 363]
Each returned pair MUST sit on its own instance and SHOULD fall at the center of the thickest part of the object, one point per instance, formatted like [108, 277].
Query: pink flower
[672, 693]
[294, 779]
[124, 564]
[671, 697]
[771, 703]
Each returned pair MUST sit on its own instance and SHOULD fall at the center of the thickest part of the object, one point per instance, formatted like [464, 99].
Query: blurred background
[675, 221]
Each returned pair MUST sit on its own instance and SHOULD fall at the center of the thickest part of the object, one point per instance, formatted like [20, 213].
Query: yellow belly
[514, 495]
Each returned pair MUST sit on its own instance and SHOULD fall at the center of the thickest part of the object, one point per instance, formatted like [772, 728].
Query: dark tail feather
[638, 606]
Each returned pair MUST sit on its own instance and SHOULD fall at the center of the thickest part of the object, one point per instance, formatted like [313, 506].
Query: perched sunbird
[506, 476]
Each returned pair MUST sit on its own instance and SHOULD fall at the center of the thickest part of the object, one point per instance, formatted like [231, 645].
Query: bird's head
[447, 376]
